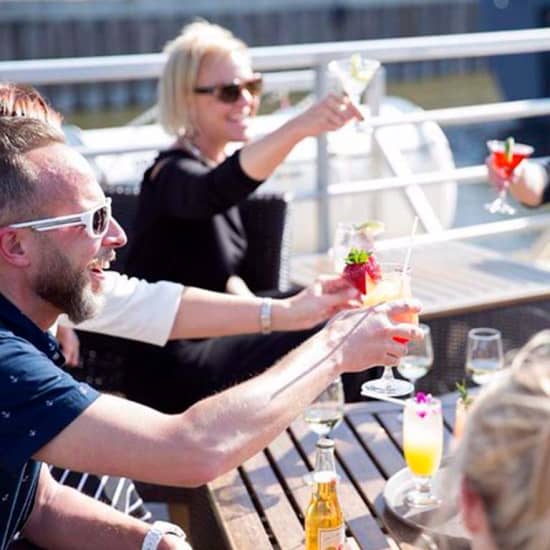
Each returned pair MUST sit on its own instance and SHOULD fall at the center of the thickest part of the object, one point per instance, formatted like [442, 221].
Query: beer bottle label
[332, 539]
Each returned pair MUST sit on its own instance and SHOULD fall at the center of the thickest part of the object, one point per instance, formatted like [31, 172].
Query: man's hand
[315, 304]
[366, 337]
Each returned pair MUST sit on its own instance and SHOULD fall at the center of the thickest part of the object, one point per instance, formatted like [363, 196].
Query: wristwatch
[157, 531]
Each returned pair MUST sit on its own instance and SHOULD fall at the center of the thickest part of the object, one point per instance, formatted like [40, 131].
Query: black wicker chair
[265, 217]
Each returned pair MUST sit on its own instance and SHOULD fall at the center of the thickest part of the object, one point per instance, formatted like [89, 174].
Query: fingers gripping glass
[230, 93]
[95, 221]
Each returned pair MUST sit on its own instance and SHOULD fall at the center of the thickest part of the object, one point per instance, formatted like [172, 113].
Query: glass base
[500, 206]
[392, 387]
[421, 499]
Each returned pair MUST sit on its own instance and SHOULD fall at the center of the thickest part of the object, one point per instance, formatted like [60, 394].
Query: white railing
[308, 64]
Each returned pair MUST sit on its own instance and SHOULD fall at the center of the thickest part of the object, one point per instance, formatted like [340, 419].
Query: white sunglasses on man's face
[96, 221]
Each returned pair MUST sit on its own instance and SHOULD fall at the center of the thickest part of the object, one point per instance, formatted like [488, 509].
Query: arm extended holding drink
[220, 432]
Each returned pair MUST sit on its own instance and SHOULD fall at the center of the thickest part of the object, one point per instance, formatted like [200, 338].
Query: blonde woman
[188, 227]
[503, 461]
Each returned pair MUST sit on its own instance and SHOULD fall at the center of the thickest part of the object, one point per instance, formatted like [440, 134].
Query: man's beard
[68, 289]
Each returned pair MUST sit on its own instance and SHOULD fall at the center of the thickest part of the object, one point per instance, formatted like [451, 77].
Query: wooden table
[461, 286]
[261, 505]
[452, 278]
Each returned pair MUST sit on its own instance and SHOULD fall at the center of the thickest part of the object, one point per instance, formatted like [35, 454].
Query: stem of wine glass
[388, 376]
[423, 484]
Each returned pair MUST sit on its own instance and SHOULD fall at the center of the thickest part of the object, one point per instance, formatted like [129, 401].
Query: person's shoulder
[168, 160]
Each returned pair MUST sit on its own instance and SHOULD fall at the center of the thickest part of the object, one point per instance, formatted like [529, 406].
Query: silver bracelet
[265, 315]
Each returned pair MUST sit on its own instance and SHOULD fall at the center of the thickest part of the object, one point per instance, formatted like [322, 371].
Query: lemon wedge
[370, 227]
[357, 72]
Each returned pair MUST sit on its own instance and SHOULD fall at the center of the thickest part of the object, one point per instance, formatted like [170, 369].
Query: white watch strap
[157, 531]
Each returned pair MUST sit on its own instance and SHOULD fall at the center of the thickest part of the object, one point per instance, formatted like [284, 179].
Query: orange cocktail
[395, 284]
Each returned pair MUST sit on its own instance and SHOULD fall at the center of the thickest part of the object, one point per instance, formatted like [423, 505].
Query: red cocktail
[505, 157]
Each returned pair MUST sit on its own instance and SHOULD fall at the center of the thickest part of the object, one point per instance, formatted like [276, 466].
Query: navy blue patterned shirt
[37, 401]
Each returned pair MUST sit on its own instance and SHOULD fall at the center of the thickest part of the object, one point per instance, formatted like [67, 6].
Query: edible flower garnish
[425, 402]
[422, 397]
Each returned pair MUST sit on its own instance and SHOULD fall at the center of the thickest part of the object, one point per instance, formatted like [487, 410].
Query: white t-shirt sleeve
[134, 309]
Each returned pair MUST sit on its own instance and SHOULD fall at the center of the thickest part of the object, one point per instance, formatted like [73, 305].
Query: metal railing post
[323, 206]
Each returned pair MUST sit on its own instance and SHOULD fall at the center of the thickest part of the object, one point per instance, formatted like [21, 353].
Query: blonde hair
[505, 452]
[185, 55]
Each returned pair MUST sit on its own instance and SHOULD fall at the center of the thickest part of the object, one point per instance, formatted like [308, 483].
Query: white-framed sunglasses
[96, 221]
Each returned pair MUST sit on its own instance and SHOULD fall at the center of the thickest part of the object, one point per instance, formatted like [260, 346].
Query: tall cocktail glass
[504, 162]
[395, 284]
[422, 446]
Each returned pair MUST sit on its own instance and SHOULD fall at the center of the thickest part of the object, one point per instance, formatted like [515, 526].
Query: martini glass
[354, 74]
[505, 164]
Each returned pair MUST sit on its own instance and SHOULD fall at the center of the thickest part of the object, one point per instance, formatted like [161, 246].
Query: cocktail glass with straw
[505, 157]
[395, 285]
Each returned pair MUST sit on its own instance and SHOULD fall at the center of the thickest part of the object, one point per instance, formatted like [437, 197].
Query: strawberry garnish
[361, 265]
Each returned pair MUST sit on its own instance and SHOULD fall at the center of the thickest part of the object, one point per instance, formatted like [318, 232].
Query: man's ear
[473, 510]
[13, 249]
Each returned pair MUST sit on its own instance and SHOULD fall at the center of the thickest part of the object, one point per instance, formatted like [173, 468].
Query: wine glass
[484, 355]
[505, 156]
[354, 74]
[419, 358]
[422, 446]
[394, 285]
[353, 235]
[325, 413]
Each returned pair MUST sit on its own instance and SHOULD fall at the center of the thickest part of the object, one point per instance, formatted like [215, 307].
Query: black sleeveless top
[188, 227]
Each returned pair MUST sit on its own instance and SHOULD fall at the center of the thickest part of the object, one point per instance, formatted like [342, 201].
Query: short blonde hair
[505, 452]
[185, 55]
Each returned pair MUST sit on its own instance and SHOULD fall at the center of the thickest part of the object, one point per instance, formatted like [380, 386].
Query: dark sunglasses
[230, 93]
[96, 221]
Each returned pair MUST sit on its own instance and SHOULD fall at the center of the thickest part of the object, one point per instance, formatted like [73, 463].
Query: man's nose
[115, 236]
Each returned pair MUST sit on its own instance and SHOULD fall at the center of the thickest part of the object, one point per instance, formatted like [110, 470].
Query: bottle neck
[324, 460]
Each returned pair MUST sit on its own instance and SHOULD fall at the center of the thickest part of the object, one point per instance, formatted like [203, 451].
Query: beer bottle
[325, 528]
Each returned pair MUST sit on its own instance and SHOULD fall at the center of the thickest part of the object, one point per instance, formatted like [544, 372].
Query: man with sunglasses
[47, 269]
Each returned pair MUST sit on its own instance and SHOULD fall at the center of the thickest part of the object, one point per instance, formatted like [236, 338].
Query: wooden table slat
[286, 527]
[375, 438]
[236, 513]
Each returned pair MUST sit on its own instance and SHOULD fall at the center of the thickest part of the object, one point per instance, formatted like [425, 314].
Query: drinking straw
[382, 397]
[409, 249]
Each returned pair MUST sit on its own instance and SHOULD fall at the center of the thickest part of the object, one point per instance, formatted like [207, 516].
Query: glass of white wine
[325, 413]
[419, 358]
[484, 355]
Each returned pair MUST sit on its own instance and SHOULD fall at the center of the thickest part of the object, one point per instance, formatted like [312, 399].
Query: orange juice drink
[395, 284]
[423, 436]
